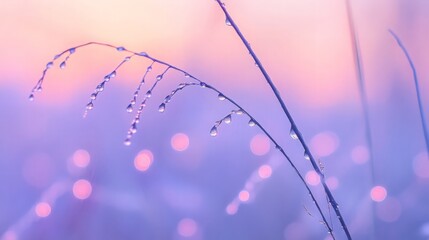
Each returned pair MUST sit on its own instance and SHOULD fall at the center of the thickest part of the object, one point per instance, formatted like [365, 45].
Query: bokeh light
[312, 178]
[332, 182]
[265, 171]
[81, 158]
[43, 209]
[389, 210]
[180, 142]
[82, 189]
[260, 145]
[421, 165]
[360, 154]
[232, 208]
[244, 196]
[9, 235]
[324, 143]
[143, 160]
[378, 193]
[187, 227]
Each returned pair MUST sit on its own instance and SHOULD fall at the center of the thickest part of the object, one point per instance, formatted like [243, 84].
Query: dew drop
[130, 108]
[39, 88]
[143, 54]
[49, 64]
[134, 100]
[293, 134]
[167, 99]
[228, 22]
[112, 74]
[279, 148]
[221, 97]
[161, 108]
[227, 119]
[127, 142]
[120, 49]
[159, 77]
[63, 65]
[181, 86]
[213, 131]
[252, 123]
[149, 68]
[126, 59]
[57, 56]
[31, 97]
[72, 50]
[93, 96]
[239, 112]
[100, 87]
[90, 106]
[306, 156]
[187, 75]
[107, 78]
[148, 94]
[133, 128]
[203, 84]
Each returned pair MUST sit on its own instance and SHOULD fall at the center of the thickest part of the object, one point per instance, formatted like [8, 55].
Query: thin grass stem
[416, 83]
[363, 97]
[294, 128]
[203, 85]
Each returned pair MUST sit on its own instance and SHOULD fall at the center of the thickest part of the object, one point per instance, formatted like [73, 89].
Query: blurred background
[65, 177]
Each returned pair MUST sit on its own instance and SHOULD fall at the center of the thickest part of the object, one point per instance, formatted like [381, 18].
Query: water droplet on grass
[31, 97]
[49, 64]
[130, 108]
[90, 106]
[221, 97]
[228, 22]
[112, 74]
[213, 131]
[306, 156]
[127, 142]
[120, 49]
[159, 77]
[293, 134]
[143, 54]
[161, 108]
[148, 94]
[227, 119]
[63, 65]
[252, 123]
[93, 96]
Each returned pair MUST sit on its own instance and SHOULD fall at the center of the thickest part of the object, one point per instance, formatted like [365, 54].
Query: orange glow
[143, 160]
[312, 178]
[82, 189]
[265, 171]
[260, 145]
[244, 196]
[81, 158]
[378, 193]
[43, 209]
[187, 227]
[180, 142]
